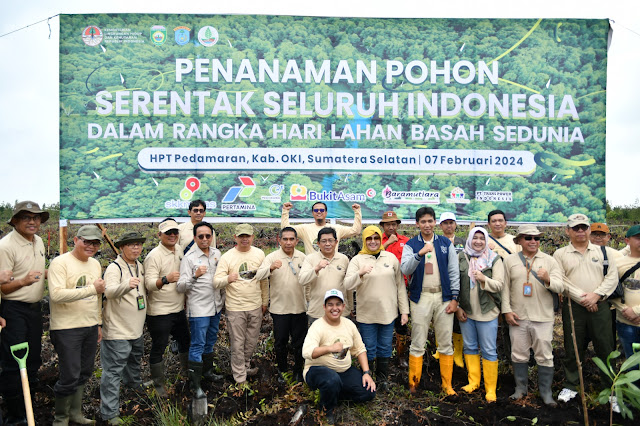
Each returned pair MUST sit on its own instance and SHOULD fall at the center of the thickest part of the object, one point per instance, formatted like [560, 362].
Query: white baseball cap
[333, 293]
[447, 216]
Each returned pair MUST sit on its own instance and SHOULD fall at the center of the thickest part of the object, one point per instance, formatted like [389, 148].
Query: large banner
[250, 112]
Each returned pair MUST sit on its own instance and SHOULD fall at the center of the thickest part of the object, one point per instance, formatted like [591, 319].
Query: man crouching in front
[327, 350]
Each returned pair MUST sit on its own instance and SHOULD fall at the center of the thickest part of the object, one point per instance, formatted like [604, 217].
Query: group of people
[180, 289]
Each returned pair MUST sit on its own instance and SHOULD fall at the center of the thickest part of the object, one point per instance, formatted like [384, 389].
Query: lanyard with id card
[527, 287]
[140, 298]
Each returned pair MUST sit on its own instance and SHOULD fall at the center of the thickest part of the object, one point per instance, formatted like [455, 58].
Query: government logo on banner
[158, 35]
[182, 35]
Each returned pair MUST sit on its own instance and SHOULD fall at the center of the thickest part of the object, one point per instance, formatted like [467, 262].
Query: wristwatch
[366, 372]
[165, 281]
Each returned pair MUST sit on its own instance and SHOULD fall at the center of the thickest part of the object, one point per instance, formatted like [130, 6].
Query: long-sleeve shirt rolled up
[160, 262]
[203, 299]
[21, 256]
[73, 299]
[584, 273]
[308, 232]
[330, 277]
[121, 318]
[381, 293]
[286, 295]
[246, 293]
[539, 306]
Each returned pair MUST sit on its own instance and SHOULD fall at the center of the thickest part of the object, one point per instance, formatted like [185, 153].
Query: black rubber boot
[208, 372]
[521, 376]
[195, 375]
[545, 380]
[157, 376]
[382, 373]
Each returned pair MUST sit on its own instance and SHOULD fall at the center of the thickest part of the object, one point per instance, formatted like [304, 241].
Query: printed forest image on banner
[250, 112]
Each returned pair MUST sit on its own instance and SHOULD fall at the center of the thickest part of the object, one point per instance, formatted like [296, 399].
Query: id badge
[428, 268]
[141, 304]
[527, 290]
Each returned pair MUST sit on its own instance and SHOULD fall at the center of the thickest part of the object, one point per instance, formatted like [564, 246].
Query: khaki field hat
[600, 227]
[168, 225]
[389, 216]
[90, 232]
[527, 229]
[577, 219]
[128, 238]
[31, 207]
[243, 229]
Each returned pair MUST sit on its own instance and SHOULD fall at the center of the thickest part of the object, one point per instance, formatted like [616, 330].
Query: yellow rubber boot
[415, 372]
[473, 367]
[436, 354]
[490, 372]
[457, 350]
[446, 372]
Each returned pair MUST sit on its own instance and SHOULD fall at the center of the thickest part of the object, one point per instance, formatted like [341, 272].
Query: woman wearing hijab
[381, 293]
[481, 280]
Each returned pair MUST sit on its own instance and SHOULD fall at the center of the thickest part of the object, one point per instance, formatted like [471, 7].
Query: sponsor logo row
[206, 36]
[233, 198]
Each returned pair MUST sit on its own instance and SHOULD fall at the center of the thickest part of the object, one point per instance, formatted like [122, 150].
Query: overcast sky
[29, 73]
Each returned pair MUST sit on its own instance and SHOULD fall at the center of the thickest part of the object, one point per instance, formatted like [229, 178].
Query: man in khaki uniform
[123, 314]
[499, 241]
[165, 310]
[582, 264]
[75, 289]
[197, 211]
[247, 299]
[527, 304]
[287, 304]
[323, 271]
[22, 252]
[308, 232]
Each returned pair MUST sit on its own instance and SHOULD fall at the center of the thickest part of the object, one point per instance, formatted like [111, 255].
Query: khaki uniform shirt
[381, 293]
[332, 276]
[584, 272]
[73, 300]
[245, 294]
[22, 256]
[507, 241]
[186, 235]
[308, 232]
[121, 318]
[286, 296]
[632, 295]
[159, 262]
[322, 334]
[538, 306]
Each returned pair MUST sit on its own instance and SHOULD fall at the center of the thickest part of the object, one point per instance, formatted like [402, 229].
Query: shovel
[198, 410]
[22, 362]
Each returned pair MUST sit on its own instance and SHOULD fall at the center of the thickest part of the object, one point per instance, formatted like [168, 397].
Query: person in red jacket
[394, 243]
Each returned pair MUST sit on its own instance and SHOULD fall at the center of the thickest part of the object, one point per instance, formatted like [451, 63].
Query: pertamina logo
[246, 190]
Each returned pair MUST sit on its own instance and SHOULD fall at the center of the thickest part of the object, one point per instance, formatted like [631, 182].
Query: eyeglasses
[204, 236]
[531, 237]
[581, 227]
[331, 241]
[598, 234]
[94, 243]
[134, 245]
[319, 210]
[198, 210]
[28, 218]
[293, 268]
[172, 232]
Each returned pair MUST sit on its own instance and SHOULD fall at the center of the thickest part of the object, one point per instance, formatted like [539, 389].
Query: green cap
[633, 231]
[90, 232]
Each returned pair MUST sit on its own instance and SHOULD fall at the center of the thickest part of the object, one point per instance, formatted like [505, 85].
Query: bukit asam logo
[301, 193]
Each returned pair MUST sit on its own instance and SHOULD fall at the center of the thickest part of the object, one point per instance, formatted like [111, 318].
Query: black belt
[35, 306]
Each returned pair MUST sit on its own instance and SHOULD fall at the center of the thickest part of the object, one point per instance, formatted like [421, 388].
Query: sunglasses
[579, 228]
[198, 210]
[531, 237]
[172, 232]
[204, 236]
[319, 210]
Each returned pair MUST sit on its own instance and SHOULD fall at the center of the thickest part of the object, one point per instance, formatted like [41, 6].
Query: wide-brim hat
[31, 207]
[129, 238]
[527, 229]
[389, 216]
